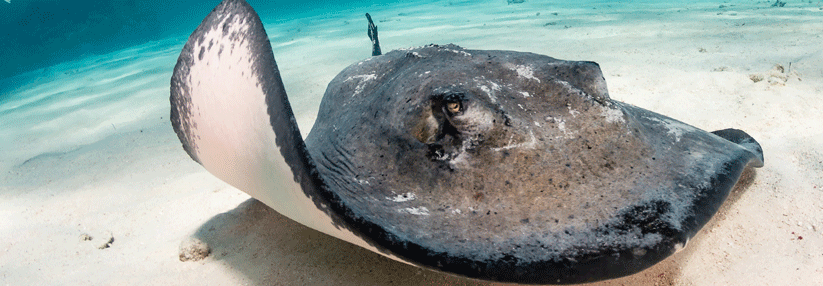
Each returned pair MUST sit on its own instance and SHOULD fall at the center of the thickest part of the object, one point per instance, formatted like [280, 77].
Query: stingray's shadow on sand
[270, 249]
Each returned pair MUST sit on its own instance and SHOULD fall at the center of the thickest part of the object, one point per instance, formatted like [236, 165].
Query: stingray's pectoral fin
[230, 111]
[743, 139]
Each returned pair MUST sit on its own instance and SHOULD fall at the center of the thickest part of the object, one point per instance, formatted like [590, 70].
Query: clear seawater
[74, 72]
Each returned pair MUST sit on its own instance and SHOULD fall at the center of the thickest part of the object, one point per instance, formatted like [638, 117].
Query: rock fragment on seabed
[778, 75]
[108, 239]
[193, 249]
[85, 237]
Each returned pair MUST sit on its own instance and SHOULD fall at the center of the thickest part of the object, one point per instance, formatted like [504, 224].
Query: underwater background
[86, 146]
[45, 32]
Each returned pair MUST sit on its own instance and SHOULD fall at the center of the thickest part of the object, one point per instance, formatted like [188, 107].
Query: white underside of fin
[234, 140]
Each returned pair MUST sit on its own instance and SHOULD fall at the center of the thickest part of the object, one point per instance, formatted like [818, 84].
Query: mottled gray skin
[490, 156]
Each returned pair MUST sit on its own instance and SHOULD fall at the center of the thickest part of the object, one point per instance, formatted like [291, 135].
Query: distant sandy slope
[133, 186]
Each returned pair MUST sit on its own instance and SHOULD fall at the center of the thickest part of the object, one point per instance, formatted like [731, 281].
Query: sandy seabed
[96, 189]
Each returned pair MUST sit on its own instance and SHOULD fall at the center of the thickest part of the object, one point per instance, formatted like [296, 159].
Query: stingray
[496, 165]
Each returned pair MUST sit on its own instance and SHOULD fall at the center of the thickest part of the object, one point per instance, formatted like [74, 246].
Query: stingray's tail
[743, 139]
[375, 49]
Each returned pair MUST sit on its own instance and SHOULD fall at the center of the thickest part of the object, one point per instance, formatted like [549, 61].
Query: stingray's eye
[454, 107]
[452, 102]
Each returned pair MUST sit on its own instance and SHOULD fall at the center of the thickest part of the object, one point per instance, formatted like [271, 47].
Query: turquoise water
[41, 33]
[37, 34]
[80, 69]
[74, 73]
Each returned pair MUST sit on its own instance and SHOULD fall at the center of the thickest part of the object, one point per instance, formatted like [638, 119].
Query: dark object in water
[375, 43]
[515, 1]
[778, 3]
[495, 165]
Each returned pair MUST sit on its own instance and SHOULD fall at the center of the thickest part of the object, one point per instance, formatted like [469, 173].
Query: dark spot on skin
[649, 218]
[435, 151]
[225, 28]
